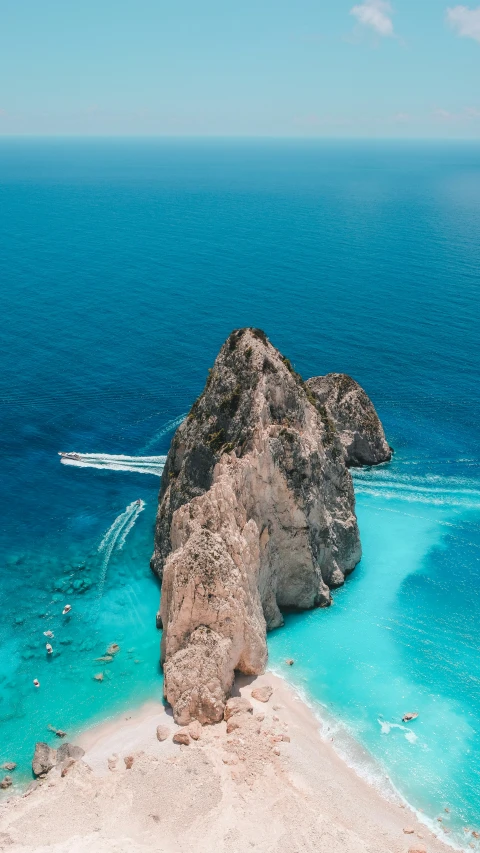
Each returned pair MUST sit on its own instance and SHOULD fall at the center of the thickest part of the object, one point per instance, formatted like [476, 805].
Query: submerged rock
[256, 514]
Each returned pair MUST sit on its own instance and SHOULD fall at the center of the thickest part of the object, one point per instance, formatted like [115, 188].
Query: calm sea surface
[123, 267]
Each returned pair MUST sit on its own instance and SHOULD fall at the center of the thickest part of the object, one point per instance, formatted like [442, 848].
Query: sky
[302, 68]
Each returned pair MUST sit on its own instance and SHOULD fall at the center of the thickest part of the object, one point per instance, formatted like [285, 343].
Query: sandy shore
[271, 785]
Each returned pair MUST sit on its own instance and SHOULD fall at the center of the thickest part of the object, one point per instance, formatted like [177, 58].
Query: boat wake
[428, 489]
[115, 538]
[168, 427]
[136, 464]
[386, 728]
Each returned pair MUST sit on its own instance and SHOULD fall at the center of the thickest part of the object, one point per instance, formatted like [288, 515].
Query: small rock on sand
[128, 759]
[182, 737]
[234, 723]
[69, 763]
[408, 830]
[195, 730]
[417, 850]
[162, 733]
[262, 694]
[112, 761]
[237, 705]
[69, 750]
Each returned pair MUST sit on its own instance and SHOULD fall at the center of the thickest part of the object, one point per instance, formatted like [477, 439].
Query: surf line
[136, 464]
[115, 537]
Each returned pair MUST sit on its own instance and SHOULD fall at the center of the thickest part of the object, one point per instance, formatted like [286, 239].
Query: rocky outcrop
[256, 514]
[358, 425]
[46, 758]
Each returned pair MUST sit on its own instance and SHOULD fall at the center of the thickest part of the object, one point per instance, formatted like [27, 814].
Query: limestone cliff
[358, 425]
[256, 514]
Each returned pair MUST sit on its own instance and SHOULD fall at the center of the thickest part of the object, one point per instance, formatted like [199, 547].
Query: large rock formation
[358, 425]
[256, 514]
[46, 758]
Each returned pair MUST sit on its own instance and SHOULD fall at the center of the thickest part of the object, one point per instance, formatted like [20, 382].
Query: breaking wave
[115, 538]
[136, 464]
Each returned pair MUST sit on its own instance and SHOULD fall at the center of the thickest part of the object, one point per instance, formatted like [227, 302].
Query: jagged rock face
[45, 758]
[256, 514]
[358, 425]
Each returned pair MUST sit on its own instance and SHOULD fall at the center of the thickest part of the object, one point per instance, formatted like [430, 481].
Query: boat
[410, 716]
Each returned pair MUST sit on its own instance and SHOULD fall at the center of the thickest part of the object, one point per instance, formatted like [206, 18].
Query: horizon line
[239, 137]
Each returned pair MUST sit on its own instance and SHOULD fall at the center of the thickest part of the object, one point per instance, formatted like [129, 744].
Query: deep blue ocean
[123, 267]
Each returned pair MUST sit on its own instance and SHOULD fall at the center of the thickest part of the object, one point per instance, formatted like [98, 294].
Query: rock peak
[256, 514]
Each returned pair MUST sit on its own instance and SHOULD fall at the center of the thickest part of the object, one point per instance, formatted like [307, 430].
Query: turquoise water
[399, 639]
[124, 266]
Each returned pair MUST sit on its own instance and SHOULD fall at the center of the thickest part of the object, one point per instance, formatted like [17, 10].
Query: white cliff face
[358, 425]
[256, 514]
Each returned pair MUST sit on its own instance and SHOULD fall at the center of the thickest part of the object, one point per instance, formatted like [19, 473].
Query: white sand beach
[273, 784]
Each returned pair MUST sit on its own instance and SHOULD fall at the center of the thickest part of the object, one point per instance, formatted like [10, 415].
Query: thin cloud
[465, 21]
[375, 14]
[465, 115]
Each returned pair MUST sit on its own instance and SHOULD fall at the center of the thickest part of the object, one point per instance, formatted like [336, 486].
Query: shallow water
[124, 266]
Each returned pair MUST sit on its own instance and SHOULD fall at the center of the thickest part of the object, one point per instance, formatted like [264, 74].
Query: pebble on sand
[162, 733]
[262, 694]
[182, 737]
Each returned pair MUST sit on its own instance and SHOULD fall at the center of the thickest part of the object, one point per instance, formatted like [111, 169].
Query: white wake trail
[168, 427]
[116, 535]
[429, 489]
[110, 462]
